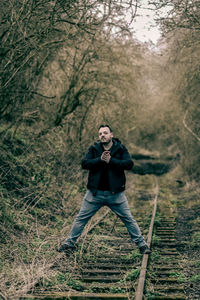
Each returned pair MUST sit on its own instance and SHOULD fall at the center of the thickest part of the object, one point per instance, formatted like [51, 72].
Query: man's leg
[90, 205]
[120, 206]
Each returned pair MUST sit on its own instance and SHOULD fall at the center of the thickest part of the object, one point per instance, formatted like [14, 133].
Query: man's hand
[106, 156]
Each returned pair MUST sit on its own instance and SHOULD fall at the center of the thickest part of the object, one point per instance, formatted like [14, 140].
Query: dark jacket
[120, 161]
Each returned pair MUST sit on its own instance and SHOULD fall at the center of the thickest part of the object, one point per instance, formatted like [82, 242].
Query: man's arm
[125, 162]
[90, 162]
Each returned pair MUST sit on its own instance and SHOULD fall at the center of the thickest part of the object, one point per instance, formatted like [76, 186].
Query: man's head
[105, 134]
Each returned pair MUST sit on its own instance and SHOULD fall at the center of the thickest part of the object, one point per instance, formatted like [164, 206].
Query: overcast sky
[144, 24]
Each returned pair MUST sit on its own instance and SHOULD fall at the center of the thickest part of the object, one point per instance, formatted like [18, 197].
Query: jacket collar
[116, 145]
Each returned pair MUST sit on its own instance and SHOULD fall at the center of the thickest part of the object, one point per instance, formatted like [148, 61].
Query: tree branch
[189, 129]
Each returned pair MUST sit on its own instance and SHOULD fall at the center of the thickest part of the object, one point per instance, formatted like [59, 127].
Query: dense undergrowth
[38, 201]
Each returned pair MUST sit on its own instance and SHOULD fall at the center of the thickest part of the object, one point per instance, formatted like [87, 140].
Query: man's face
[105, 135]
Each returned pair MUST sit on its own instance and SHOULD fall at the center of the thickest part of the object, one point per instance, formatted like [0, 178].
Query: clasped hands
[106, 156]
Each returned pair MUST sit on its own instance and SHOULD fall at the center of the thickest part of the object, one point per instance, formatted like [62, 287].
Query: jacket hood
[116, 145]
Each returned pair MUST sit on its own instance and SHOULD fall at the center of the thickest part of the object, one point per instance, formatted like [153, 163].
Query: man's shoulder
[118, 144]
[95, 146]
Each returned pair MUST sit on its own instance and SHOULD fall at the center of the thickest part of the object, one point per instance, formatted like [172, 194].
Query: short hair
[106, 125]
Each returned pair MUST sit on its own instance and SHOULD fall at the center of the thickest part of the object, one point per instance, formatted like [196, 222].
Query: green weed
[180, 276]
[116, 289]
[133, 274]
[134, 255]
[195, 239]
[151, 295]
[157, 220]
[155, 256]
[156, 240]
[195, 278]
[197, 263]
[75, 284]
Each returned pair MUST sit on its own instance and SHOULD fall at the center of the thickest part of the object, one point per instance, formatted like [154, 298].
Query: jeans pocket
[120, 198]
[88, 196]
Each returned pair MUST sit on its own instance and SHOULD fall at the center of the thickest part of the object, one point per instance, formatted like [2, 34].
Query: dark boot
[144, 249]
[67, 249]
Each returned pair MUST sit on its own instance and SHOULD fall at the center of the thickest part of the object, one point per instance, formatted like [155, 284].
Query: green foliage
[116, 289]
[133, 275]
[195, 239]
[151, 295]
[75, 284]
[62, 279]
[59, 278]
[180, 276]
[155, 255]
[134, 255]
[7, 216]
[195, 278]
[197, 263]
[156, 240]
[157, 220]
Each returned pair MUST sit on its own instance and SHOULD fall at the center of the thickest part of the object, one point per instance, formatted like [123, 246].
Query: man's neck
[108, 146]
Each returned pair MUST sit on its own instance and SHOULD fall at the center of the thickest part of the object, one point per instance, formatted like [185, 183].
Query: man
[106, 161]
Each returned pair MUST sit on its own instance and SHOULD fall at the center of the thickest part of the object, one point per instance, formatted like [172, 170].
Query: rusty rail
[141, 282]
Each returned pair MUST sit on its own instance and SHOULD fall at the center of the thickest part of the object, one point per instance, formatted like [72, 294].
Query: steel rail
[141, 282]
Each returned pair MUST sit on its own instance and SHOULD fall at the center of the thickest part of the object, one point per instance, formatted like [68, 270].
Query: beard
[106, 142]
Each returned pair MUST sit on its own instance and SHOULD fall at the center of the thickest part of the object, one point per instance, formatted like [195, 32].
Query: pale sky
[144, 24]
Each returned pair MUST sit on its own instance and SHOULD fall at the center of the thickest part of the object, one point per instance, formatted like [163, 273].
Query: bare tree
[32, 32]
[181, 30]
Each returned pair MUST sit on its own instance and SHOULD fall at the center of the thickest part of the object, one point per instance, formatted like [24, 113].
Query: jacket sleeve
[124, 163]
[90, 161]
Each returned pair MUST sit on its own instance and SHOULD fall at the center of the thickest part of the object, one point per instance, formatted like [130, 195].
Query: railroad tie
[165, 272]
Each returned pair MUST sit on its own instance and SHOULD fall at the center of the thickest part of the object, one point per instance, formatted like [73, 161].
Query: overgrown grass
[36, 189]
[195, 278]
[195, 239]
[132, 275]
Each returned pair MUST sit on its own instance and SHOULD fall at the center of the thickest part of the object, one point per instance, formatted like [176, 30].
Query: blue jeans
[117, 203]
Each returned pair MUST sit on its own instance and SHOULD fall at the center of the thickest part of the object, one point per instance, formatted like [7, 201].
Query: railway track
[165, 278]
[108, 266]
